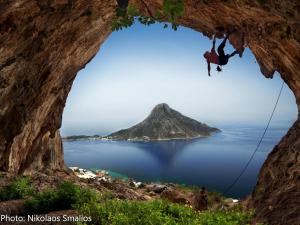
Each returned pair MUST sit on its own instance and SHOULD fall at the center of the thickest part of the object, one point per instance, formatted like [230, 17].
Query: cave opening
[140, 67]
[45, 44]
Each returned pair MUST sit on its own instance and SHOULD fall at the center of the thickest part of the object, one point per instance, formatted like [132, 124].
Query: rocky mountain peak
[165, 123]
[160, 109]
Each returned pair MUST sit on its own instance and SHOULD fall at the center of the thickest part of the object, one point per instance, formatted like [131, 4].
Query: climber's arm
[214, 44]
[208, 67]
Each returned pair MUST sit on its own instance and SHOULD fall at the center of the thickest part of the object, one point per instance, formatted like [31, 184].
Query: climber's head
[206, 55]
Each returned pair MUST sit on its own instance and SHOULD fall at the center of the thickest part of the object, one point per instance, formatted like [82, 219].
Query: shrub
[173, 9]
[43, 202]
[66, 196]
[18, 189]
[124, 18]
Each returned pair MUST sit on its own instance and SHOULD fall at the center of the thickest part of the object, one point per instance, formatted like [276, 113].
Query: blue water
[213, 162]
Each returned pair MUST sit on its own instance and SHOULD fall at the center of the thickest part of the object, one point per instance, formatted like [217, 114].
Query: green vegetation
[171, 11]
[18, 189]
[105, 209]
[114, 211]
[65, 196]
[227, 217]
[124, 18]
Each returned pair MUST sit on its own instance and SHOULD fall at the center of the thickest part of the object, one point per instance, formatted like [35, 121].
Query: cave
[45, 43]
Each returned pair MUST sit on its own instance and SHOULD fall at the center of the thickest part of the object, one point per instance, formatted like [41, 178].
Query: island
[83, 137]
[164, 123]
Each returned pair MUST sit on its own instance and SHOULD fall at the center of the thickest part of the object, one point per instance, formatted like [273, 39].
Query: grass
[114, 211]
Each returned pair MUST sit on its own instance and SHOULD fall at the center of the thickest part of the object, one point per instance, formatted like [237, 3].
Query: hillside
[164, 123]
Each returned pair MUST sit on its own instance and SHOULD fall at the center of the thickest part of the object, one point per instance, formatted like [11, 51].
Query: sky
[139, 67]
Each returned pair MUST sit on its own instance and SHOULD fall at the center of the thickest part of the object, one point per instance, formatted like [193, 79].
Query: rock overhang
[45, 44]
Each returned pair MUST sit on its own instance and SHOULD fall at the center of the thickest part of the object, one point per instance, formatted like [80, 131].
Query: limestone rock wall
[43, 44]
[276, 196]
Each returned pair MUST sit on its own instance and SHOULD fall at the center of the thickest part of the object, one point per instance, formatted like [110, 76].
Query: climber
[213, 57]
[200, 200]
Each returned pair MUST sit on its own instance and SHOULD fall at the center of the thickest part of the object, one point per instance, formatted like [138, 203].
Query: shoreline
[154, 187]
[106, 138]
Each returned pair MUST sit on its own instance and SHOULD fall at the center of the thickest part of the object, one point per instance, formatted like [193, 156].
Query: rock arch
[43, 44]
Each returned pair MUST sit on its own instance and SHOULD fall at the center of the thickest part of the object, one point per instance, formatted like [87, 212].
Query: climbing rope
[258, 145]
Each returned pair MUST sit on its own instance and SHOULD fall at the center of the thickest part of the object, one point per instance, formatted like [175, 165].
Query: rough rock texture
[276, 196]
[45, 43]
[165, 123]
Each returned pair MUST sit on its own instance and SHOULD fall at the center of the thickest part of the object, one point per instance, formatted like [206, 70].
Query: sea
[213, 162]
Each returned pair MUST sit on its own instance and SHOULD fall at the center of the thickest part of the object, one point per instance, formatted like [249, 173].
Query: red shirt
[213, 57]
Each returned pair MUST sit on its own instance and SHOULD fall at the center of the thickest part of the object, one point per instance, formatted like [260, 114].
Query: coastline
[175, 191]
[108, 138]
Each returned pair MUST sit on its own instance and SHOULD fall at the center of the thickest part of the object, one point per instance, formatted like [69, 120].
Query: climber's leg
[221, 47]
[232, 54]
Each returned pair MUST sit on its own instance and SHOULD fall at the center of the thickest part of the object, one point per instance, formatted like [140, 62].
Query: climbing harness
[258, 145]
